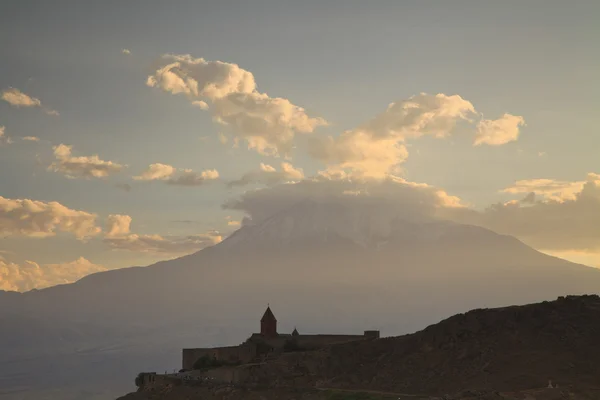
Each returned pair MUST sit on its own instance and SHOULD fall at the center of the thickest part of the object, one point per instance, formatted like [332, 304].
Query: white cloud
[200, 104]
[548, 188]
[126, 51]
[268, 124]
[376, 147]
[17, 98]
[155, 172]
[4, 139]
[158, 244]
[500, 131]
[172, 176]
[392, 196]
[360, 153]
[30, 275]
[119, 237]
[560, 221]
[32, 218]
[268, 175]
[82, 167]
[31, 138]
[117, 225]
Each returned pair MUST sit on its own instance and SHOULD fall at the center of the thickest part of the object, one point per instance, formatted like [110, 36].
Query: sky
[126, 126]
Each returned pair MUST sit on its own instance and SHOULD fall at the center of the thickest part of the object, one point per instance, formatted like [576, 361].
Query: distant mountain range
[321, 266]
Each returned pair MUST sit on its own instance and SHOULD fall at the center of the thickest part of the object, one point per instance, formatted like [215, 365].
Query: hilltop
[507, 352]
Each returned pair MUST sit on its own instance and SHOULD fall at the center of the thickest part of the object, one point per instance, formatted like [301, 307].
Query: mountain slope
[322, 266]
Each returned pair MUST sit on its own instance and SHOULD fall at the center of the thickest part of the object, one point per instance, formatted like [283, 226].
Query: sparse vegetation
[291, 345]
[205, 362]
[138, 380]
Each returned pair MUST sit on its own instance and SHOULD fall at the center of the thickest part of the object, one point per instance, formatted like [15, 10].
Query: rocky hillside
[511, 348]
[502, 353]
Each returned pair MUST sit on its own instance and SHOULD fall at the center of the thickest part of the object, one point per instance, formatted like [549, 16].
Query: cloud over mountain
[394, 196]
[567, 216]
[268, 124]
[119, 237]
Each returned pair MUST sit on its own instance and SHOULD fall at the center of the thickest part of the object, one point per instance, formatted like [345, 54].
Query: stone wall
[317, 341]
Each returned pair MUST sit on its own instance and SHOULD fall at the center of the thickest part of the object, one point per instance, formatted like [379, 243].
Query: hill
[498, 353]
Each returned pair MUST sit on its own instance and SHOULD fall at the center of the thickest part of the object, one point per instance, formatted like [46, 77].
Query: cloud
[155, 172]
[268, 124]
[500, 131]
[172, 176]
[234, 223]
[561, 221]
[119, 237]
[268, 175]
[392, 197]
[32, 218]
[3, 138]
[376, 147]
[82, 167]
[201, 104]
[564, 217]
[17, 98]
[117, 225]
[31, 275]
[126, 51]
[31, 138]
[548, 188]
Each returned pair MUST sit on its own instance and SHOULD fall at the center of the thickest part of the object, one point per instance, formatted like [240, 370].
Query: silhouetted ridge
[509, 348]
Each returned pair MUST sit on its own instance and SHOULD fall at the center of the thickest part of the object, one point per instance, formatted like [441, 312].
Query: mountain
[323, 267]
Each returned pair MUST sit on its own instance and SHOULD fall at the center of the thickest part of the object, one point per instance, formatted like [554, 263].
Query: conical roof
[268, 315]
[295, 332]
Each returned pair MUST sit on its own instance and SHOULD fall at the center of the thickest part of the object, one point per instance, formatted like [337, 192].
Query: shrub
[206, 362]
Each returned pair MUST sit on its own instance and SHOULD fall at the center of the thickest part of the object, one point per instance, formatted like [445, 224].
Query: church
[269, 341]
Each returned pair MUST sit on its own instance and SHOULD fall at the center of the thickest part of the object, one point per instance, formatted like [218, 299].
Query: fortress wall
[315, 341]
[243, 353]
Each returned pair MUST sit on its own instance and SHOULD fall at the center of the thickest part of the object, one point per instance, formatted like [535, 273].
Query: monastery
[268, 341]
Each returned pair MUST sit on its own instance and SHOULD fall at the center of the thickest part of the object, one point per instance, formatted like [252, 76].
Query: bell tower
[268, 324]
